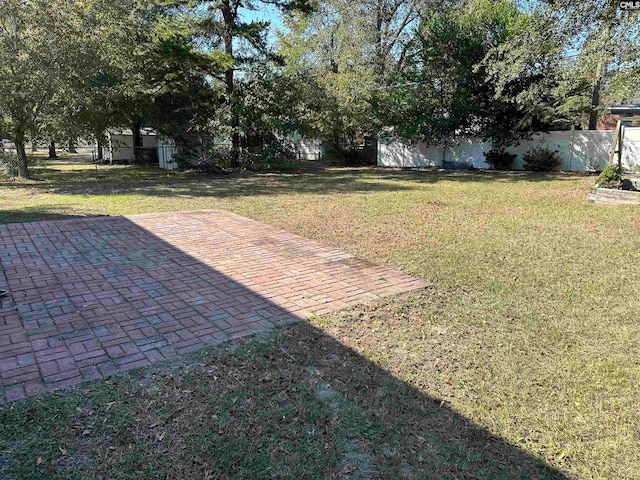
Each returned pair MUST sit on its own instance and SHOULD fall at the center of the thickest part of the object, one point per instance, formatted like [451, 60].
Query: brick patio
[94, 296]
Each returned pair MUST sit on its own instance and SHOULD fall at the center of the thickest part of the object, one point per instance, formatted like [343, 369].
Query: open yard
[521, 359]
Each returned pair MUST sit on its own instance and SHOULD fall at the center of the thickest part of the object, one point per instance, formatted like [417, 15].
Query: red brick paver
[95, 296]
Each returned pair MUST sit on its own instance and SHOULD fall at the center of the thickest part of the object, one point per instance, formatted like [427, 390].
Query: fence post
[620, 140]
[616, 138]
[573, 133]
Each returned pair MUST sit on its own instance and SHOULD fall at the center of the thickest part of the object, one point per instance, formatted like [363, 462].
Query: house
[628, 113]
[120, 149]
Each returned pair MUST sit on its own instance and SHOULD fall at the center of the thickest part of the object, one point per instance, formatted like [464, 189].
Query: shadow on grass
[157, 182]
[34, 214]
[294, 404]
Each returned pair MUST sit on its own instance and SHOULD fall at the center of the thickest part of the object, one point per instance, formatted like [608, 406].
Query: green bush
[610, 177]
[541, 159]
[499, 159]
[277, 151]
[185, 158]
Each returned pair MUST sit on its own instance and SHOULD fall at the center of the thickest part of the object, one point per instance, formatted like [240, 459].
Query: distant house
[120, 149]
[628, 113]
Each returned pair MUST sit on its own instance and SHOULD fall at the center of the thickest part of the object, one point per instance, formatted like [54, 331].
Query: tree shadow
[35, 214]
[433, 175]
[94, 297]
[150, 181]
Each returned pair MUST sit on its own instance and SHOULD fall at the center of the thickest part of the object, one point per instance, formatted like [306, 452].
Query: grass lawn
[526, 348]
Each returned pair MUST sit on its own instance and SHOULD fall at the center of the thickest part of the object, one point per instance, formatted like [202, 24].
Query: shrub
[541, 159]
[185, 158]
[610, 177]
[499, 159]
[276, 152]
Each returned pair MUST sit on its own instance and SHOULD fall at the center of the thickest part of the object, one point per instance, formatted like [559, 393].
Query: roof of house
[633, 106]
[129, 132]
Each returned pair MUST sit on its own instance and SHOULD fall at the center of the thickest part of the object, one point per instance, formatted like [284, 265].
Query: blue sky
[265, 13]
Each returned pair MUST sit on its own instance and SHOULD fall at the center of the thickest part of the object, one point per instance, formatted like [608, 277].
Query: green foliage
[604, 43]
[185, 158]
[277, 151]
[345, 56]
[444, 90]
[499, 159]
[73, 69]
[610, 177]
[541, 159]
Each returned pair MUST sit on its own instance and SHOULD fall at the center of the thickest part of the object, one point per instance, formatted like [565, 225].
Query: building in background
[120, 149]
[628, 113]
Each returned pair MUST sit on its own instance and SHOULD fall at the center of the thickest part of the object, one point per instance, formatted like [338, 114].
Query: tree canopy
[338, 69]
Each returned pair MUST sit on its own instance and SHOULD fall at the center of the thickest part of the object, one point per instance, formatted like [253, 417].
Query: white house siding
[121, 147]
[121, 144]
[306, 148]
[580, 150]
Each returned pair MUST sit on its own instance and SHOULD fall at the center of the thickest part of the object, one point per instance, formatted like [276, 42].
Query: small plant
[610, 177]
[185, 158]
[541, 159]
[278, 151]
[499, 159]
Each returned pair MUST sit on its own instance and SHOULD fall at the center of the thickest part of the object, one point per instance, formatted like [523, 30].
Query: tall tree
[444, 92]
[38, 91]
[243, 44]
[349, 52]
[29, 72]
[585, 53]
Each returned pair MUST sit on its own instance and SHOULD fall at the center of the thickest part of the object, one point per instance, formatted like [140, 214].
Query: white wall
[308, 149]
[580, 150]
[166, 152]
[122, 145]
[401, 154]
[631, 149]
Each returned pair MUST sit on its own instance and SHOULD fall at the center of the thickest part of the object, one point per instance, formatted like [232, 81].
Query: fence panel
[579, 151]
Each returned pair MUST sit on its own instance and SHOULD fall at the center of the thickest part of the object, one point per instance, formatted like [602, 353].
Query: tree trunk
[229, 26]
[52, 150]
[23, 170]
[72, 147]
[137, 142]
[595, 97]
[33, 145]
[99, 153]
[379, 65]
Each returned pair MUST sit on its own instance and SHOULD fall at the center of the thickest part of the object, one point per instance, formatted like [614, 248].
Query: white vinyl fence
[580, 150]
[631, 149]
[166, 152]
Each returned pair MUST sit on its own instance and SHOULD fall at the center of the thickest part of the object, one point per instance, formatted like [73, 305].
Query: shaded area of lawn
[295, 404]
[34, 214]
[59, 190]
[115, 180]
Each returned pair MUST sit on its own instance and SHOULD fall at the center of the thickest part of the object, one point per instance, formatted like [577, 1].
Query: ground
[524, 348]
[94, 296]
